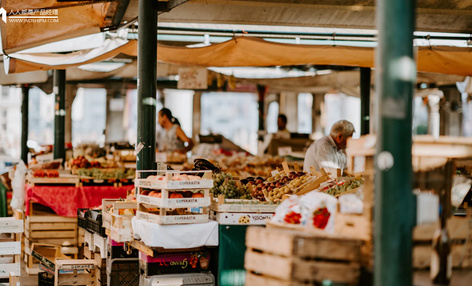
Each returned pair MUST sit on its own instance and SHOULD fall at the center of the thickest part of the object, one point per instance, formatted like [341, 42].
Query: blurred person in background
[330, 151]
[172, 137]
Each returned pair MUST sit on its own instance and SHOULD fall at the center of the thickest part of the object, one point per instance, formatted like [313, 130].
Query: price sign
[284, 151]
[193, 78]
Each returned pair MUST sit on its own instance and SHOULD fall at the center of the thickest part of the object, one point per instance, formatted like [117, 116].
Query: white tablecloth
[176, 236]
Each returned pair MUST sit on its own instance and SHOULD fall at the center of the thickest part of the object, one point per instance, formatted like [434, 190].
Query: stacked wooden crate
[49, 228]
[10, 245]
[63, 270]
[286, 258]
[459, 229]
[360, 154]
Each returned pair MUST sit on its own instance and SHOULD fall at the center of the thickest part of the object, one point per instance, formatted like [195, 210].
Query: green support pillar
[24, 122]
[261, 91]
[60, 114]
[147, 75]
[365, 100]
[394, 201]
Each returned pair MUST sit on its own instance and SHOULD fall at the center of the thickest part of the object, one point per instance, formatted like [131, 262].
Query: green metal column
[60, 114]
[365, 100]
[261, 91]
[147, 70]
[394, 202]
[24, 122]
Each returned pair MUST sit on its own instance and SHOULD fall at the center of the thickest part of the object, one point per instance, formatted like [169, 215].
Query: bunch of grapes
[224, 184]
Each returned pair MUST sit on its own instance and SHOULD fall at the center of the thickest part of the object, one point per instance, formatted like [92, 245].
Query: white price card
[285, 151]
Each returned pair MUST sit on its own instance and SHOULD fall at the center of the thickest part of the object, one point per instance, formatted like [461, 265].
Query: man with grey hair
[328, 152]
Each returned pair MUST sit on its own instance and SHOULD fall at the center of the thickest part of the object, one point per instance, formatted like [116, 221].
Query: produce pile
[82, 162]
[224, 184]
[276, 187]
[106, 174]
[336, 189]
[243, 166]
[42, 173]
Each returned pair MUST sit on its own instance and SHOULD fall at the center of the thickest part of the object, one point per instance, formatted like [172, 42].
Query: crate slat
[261, 280]
[302, 244]
[292, 268]
[51, 234]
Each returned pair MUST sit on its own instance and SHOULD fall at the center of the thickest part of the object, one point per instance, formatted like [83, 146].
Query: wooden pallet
[293, 257]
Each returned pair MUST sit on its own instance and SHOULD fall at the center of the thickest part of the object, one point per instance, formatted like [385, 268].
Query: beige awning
[74, 19]
[246, 51]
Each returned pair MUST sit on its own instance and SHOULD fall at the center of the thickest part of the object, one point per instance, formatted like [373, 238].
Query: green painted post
[394, 201]
[60, 114]
[365, 100]
[24, 123]
[147, 70]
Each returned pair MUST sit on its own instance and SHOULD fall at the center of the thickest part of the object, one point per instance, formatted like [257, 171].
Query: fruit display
[102, 174]
[336, 189]
[321, 217]
[173, 195]
[180, 177]
[80, 162]
[292, 218]
[275, 187]
[243, 165]
[224, 184]
[42, 173]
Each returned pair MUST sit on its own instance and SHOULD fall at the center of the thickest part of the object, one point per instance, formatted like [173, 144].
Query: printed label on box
[6, 269]
[10, 225]
[10, 248]
[241, 218]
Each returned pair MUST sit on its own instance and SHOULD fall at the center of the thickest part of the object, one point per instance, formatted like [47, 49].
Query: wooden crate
[63, 180]
[10, 245]
[120, 229]
[184, 202]
[80, 236]
[75, 277]
[162, 216]
[114, 206]
[51, 227]
[292, 257]
[101, 270]
[458, 229]
[461, 256]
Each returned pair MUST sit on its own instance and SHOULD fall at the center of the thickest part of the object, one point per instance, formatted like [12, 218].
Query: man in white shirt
[329, 151]
[282, 131]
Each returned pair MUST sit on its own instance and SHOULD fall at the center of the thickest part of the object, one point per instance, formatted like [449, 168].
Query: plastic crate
[45, 279]
[123, 272]
[82, 220]
[119, 252]
[95, 222]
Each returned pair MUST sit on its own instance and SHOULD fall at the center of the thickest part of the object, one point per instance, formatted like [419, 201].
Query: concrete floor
[421, 278]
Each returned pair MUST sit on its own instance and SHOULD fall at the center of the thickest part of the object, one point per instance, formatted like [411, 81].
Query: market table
[65, 200]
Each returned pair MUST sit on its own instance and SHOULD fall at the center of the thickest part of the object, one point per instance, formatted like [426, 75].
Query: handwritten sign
[193, 78]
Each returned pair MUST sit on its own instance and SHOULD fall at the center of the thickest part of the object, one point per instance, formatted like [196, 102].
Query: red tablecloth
[66, 200]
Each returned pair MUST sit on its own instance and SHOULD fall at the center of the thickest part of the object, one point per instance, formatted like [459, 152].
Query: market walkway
[421, 278]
